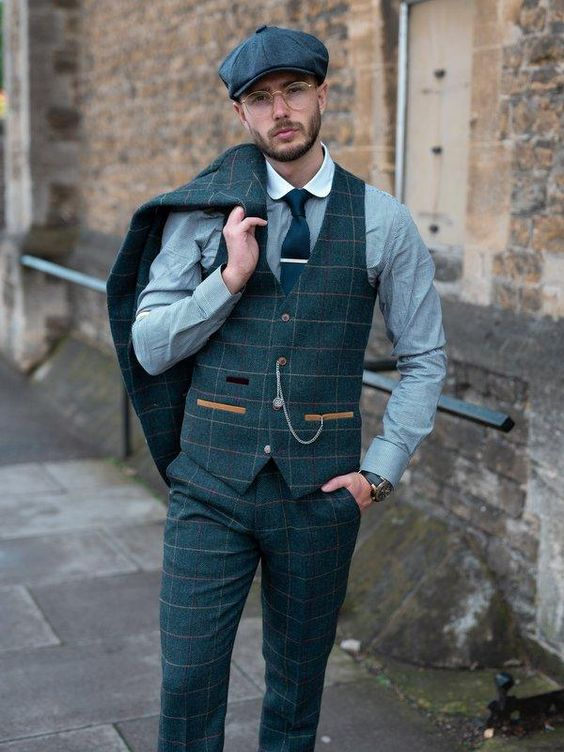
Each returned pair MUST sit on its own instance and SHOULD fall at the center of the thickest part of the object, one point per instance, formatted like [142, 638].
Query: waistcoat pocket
[221, 406]
[328, 416]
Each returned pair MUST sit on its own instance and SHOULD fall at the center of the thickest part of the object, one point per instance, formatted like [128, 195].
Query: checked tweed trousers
[214, 539]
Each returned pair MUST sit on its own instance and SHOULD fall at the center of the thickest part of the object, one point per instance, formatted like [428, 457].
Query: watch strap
[372, 477]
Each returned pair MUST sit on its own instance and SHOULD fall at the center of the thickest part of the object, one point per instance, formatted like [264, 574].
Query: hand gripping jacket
[282, 376]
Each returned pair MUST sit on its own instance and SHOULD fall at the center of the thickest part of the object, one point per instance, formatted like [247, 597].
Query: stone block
[528, 194]
[477, 277]
[506, 295]
[532, 19]
[523, 536]
[545, 49]
[547, 79]
[521, 229]
[532, 299]
[486, 88]
[545, 120]
[488, 197]
[505, 459]
[510, 390]
[476, 513]
[448, 264]
[552, 285]
[548, 233]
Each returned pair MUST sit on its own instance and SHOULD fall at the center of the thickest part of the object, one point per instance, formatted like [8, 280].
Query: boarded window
[438, 118]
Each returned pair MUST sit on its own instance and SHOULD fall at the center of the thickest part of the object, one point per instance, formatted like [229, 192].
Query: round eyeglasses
[296, 96]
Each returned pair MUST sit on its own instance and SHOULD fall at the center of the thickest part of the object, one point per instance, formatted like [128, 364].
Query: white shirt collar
[319, 185]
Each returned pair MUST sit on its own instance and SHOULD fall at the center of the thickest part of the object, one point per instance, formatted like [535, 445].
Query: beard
[289, 152]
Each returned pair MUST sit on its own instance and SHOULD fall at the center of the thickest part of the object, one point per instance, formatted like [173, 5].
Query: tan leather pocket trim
[328, 416]
[222, 406]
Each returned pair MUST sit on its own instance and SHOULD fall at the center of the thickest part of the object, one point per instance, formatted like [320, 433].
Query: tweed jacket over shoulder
[236, 177]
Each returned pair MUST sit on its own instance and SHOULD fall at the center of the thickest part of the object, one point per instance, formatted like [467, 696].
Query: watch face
[384, 491]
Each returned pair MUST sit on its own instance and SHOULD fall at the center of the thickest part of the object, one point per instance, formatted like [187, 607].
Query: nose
[279, 106]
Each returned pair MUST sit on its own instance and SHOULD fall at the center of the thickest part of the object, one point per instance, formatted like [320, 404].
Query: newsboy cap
[269, 49]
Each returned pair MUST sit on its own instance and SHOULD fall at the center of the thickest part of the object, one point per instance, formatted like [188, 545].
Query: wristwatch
[380, 488]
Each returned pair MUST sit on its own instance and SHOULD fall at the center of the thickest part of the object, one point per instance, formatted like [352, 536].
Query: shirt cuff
[212, 293]
[386, 459]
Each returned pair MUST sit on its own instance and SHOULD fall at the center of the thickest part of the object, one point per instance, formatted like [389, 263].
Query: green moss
[457, 692]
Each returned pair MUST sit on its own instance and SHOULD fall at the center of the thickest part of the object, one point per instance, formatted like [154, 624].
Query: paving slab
[69, 686]
[94, 739]
[60, 557]
[362, 716]
[22, 624]
[25, 479]
[81, 549]
[87, 473]
[140, 734]
[76, 509]
[100, 608]
[143, 544]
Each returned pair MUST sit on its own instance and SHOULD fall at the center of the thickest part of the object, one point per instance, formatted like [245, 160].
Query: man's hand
[242, 248]
[356, 483]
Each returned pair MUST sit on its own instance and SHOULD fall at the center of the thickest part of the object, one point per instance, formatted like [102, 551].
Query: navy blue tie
[295, 248]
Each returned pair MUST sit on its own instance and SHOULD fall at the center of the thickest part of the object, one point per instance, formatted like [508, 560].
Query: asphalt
[80, 554]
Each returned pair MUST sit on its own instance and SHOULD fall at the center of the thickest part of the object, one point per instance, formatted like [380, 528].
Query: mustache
[284, 126]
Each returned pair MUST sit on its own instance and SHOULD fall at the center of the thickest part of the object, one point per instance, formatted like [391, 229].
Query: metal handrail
[84, 280]
[371, 375]
[99, 285]
[470, 411]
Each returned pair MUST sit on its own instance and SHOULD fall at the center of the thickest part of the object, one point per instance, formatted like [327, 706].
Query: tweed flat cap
[270, 49]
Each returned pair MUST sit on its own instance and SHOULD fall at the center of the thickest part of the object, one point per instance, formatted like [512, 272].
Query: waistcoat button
[285, 317]
[281, 361]
[267, 449]
[277, 403]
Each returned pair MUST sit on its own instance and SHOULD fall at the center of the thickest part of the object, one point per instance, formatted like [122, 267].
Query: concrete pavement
[80, 553]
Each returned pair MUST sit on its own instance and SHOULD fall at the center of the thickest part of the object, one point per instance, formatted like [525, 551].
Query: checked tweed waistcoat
[321, 328]
[317, 333]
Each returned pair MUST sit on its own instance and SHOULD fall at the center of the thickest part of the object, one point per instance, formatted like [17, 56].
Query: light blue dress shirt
[177, 311]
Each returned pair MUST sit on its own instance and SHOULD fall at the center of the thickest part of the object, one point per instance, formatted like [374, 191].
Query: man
[265, 285]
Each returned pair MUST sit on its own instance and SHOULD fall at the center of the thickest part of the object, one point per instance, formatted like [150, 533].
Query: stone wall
[2, 184]
[528, 275]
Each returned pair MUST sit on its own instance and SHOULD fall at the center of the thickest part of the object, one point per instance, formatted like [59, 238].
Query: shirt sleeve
[177, 311]
[412, 314]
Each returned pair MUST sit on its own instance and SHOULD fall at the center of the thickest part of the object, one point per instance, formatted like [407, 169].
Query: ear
[240, 112]
[322, 96]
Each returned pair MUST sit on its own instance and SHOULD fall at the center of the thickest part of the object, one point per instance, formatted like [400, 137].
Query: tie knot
[296, 199]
